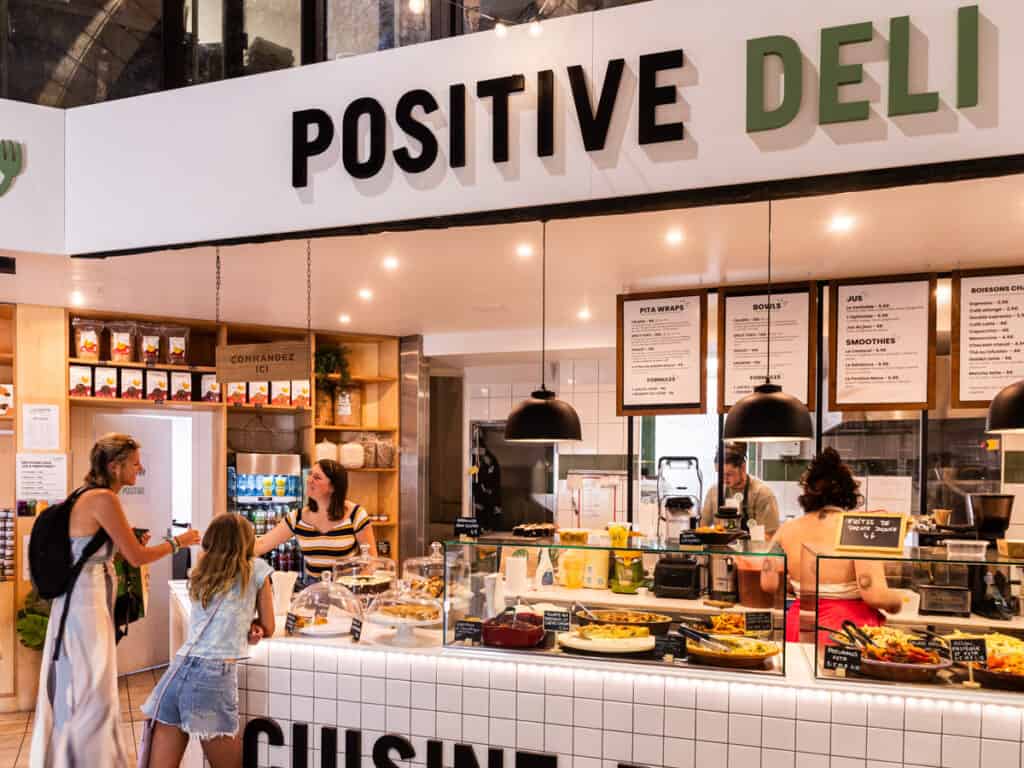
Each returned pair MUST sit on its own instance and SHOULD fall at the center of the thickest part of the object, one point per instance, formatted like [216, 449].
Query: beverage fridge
[264, 487]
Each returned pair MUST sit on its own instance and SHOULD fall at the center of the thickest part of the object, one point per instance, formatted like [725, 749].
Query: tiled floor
[16, 728]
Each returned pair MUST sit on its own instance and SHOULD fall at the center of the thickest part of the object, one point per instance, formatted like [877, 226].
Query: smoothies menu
[991, 335]
[881, 343]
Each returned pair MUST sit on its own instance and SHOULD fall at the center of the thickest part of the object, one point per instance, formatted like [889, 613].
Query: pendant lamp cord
[543, 303]
[768, 356]
[216, 310]
[309, 287]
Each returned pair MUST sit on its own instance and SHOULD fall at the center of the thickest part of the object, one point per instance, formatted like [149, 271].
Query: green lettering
[967, 57]
[758, 50]
[833, 74]
[901, 100]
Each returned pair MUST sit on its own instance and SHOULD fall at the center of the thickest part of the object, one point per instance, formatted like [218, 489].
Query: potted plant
[331, 370]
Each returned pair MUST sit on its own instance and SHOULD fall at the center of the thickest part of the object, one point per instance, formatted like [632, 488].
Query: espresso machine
[990, 585]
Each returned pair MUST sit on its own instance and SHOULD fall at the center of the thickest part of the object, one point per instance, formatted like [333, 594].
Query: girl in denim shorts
[198, 695]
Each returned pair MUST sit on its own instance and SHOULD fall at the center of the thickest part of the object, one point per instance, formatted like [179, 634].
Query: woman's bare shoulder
[97, 497]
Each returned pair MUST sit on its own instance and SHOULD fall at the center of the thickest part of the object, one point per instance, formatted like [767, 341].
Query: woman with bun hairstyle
[846, 589]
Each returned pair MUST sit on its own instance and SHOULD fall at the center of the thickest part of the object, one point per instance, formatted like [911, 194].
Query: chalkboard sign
[872, 532]
[468, 630]
[837, 657]
[759, 621]
[669, 645]
[689, 539]
[467, 526]
[357, 630]
[969, 650]
[556, 621]
[289, 623]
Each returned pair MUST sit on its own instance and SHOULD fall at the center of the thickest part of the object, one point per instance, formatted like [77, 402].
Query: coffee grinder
[991, 594]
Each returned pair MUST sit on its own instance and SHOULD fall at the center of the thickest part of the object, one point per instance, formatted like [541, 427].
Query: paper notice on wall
[746, 344]
[882, 338]
[660, 342]
[40, 427]
[991, 335]
[887, 493]
[42, 476]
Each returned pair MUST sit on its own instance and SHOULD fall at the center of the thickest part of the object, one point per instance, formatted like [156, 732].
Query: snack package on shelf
[80, 381]
[131, 384]
[181, 386]
[259, 392]
[6, 398]
[87, 338]
[351, 455]
[105, 382]
[156, 385]
[300, 393]
[210, 388]
[149, 343]
[280, 393]
[122, 342]
[369, 443]
[236, 394]
[176, 344]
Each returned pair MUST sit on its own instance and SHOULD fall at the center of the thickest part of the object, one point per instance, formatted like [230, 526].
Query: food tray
[628, 645]
[656, 627]
[1001, 681]
[718, 538]
[330, 629]
[527, 631]
[898, 672]
[703, 655]
[393, 621]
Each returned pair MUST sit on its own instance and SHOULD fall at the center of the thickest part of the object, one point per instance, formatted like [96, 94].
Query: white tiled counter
[596, 714]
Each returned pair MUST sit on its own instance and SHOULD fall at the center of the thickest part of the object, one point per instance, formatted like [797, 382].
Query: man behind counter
[758, 504]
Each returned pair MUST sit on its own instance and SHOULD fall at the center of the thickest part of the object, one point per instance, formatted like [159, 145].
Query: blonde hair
[107, 451]
[228, 549]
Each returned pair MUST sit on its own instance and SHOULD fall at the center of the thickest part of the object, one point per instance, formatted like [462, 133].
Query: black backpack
[49, 555]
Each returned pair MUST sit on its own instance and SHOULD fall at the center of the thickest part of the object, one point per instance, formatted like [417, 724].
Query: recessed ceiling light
[77, 299]
[500, 29]
[365, 294]
[417, 6]
[344, 319]
[841, 224]
[584, 314]
[536, 29]
[390, 263]
[524, 250]
[674, 236]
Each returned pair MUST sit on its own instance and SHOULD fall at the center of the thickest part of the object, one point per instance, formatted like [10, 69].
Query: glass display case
[405, 610]
[719, 605]
[324, 609]
[947, 616]
[366, 576]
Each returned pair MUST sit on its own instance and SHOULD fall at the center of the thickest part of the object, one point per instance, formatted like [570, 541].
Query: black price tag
[467, 526]
[759, 621]
[969, 650]
[357, 629]
[468, 630]
[669, 645]
[151, 363]
[688, 539]
[931, 644]
[837, 657]
[289, 624]
[556, 621]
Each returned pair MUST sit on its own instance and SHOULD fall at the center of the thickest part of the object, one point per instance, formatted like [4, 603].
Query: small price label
[837, 657]
[556, 621]
[688, 539]
[759, 621]
[468, 630]
[357, 630]
[467, 526]
[289, 623]
[669, 645]
[969, 650]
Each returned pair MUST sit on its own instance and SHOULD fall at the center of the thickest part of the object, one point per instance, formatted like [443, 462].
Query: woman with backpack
[78, 715]
[198, 694]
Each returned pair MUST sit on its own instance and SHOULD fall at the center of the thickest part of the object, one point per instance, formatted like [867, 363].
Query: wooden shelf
[374, 470]
[116, 402]
[146, 366]
[378, 524]
[329, 428]
[363, 379]
[6, 358]
[269, 409]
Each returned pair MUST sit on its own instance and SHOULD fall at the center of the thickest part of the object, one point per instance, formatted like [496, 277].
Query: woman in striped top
[330, 528]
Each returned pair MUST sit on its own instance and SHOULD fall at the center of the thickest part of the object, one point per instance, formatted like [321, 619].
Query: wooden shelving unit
[116, 402]
[148, 366]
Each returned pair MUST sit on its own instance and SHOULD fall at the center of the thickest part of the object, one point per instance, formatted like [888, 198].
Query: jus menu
[661, 347]
[991, 335]
[746, 344]
[882, 336]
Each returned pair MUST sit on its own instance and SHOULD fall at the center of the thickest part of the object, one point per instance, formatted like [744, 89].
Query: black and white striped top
[322, 550]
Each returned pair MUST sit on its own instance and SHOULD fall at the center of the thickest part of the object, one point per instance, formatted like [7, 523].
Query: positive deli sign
[365, 128]
[280, 361]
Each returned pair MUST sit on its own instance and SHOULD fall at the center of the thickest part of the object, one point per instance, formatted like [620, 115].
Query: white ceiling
[469, 292]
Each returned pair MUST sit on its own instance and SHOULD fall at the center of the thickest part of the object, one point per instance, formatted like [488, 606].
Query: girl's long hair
[107, 451]
[228, 551]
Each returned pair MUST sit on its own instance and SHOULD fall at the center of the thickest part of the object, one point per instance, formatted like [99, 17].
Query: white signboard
[991, 340]
[886, 493]
[662, 340]
[882, 343]
[746, 344]
[40, 426]
[42, 476]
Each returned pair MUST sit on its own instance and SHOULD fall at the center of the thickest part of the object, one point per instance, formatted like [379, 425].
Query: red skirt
[832, 614]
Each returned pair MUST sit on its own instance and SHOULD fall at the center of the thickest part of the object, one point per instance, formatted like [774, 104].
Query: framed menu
[743, 341]
[882, 344]
[987, 349]
[661, 347]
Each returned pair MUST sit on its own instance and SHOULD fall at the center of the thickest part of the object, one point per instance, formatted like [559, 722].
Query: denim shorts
[199, 696]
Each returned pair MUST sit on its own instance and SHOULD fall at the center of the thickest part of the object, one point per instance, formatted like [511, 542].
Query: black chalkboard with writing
[969, 650]
[357, 630]
[467, 526]
[868, 531]
[837, 657]
[758, 621]
[468, 630]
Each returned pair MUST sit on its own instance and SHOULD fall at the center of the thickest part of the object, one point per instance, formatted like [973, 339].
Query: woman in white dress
[78, 720]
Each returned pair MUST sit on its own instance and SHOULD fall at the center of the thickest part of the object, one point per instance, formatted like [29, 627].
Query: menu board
[743, 335]
[988, 336]
[882, 337]
[662, 345]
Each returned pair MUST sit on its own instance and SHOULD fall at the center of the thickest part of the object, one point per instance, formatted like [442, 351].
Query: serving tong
[703, 638]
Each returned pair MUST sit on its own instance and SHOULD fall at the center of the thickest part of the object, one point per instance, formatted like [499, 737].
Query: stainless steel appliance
[723, 580]
[680, 494]
[991, 514]
[943, 587]
[678, 577]
[264, 488]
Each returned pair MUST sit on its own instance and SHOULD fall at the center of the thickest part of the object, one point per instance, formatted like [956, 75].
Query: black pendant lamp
[1006, 411]
[543, 418]
[768, 415]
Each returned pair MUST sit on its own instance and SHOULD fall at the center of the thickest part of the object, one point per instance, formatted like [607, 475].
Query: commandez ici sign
[314, 130]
